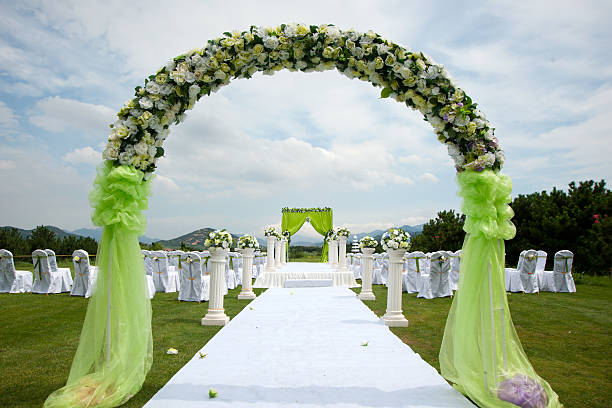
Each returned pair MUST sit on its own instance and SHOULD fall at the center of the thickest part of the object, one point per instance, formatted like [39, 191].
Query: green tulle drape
[481, 353]
[321, 221]
[114, 355]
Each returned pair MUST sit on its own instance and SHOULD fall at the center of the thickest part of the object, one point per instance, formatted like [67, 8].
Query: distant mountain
[96, 233]
[194, 239]
[59, 233]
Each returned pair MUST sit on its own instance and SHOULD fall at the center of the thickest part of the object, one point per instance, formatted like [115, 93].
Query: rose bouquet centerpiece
[343, 232]
[219, 239]
[248, 242]
[368, 242]
[395, 238]
[270, 232]
[286, 235]
[330, 235]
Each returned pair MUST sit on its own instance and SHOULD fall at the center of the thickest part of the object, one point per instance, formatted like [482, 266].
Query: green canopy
[321, 220]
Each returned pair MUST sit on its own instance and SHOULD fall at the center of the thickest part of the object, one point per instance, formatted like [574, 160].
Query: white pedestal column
[277, 254]
[270, 254]
[330, 253]
[334, 253]
[394, 316]
[366, 275]
[342, 254]
[283, 253]
[247, 274]
[216, 314]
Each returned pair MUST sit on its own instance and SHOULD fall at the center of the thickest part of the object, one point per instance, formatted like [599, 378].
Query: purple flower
[445, 117]
[522, 391]
[460, 104]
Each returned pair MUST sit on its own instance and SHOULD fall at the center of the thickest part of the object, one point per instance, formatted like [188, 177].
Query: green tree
[11, 240]
[445, 232]
[42, 238]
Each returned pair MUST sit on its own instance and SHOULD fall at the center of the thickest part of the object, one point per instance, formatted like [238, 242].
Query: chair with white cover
[174, 258]
[384, 269]
[12, 280]
[513, 275]
[545, 279]
[529, 279]
[236, 264]
[415, 269]
[356, 266]
[377, 269]
[64, 272]
[563, 280]
[230, 277]
[438, 284]
[165, 277]
[45, 281]
[84, 274]
[195, 285]
[148, 262]
[455, 265]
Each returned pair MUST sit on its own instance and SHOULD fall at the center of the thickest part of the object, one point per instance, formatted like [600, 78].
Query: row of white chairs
[189, 272]
[47, 277]
[435, 274]
[529, 275]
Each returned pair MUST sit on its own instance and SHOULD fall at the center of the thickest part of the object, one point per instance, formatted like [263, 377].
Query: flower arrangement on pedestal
[286, 235]
[219, 239]
[329, 235]
[368, 242]
[395, 238]
[343, 232]
[270, 232]
[247, 241]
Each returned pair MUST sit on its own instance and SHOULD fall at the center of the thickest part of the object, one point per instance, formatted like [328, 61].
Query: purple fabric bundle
[522, 391]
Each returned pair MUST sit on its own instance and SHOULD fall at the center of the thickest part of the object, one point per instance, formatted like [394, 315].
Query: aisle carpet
[307, 347]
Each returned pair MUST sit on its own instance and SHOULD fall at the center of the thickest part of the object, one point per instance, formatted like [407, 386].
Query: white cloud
[84, 155]
[428, 178]
[7, 164]
[57, 114]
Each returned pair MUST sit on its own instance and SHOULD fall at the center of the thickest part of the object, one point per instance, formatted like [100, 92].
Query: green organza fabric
[481, 353]
[114, 355]
[321, 221]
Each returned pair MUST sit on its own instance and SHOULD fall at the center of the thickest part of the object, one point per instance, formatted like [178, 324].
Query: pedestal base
[215, 318]
[247, 295]
[367, 296]
[395, 319]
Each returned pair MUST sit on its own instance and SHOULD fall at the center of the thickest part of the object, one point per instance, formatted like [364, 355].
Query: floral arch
[480, 350]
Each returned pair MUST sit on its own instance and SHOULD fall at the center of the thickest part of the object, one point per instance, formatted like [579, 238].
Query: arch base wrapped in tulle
[481, 353]
[115, 348]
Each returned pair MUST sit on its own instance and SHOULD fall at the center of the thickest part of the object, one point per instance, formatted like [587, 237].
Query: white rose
[193, 91]
[488, 159]
[145, 103]
[152, 87]
[141, 148]
[270, 42]
[189, 77]
[220, 74]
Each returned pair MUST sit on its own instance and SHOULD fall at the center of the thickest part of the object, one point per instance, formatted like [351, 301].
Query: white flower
[125, 158]
[145, 103]
[141, 148]
[382, 48]
[488, 159]
[193, 91]
[270, 42]
[290, 30]
[189, 77]
[152, 87]
[220, 74]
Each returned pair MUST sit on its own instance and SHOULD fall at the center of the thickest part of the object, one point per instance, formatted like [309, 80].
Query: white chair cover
[438, 284]
[64, 272]
[455, 265]
[12, 280]
[148, 262]
[85, 275]
[545, 279]
[384, 268]
[174, 258]
[513, 276]
[415, 269]
[356, 266]
[195, 285]
[563, 280]
[377, 270]
[529, 279]
[165, 277]
[236, 266]
[45, 281]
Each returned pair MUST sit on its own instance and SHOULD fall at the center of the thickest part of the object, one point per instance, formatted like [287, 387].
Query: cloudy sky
[540, 70]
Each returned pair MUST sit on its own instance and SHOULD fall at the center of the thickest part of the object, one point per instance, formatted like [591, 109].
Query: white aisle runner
[303, 347]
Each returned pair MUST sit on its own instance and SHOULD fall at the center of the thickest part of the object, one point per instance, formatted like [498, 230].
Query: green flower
[212, 393]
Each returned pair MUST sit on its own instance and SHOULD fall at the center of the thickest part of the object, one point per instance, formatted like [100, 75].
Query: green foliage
[577, 220]
[445, 232]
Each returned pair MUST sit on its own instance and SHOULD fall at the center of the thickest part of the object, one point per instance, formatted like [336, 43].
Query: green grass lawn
[567, 337]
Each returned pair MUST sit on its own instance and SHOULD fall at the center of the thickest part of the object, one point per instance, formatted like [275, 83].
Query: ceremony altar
[305, 271]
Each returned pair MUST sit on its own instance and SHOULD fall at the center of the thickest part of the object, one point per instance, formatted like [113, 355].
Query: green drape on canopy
[481, 353]
[321, 221]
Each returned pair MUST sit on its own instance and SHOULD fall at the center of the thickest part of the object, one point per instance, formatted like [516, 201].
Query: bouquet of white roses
[329, 235]
[395, 238]
[368, 242]
[247, 241]
[218, 239]
[270, 232]
[343, 232]
[286, 235]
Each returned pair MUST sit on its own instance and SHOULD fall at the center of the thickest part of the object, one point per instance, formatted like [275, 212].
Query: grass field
[568, 338]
